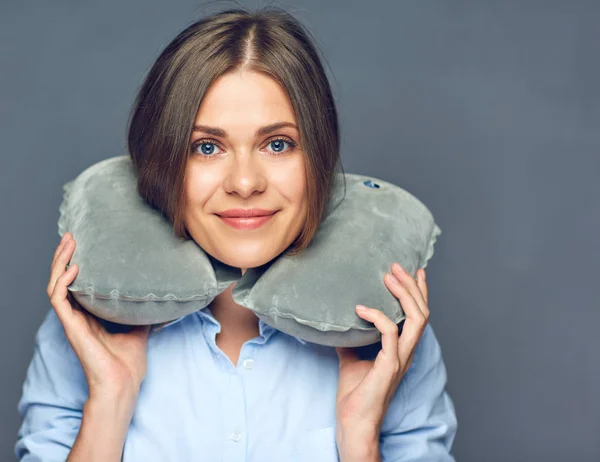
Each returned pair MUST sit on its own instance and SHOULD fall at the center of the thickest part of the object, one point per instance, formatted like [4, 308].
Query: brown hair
[270, 41]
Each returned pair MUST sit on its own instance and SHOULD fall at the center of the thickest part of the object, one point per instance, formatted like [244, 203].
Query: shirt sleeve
[53, 395]
[421, 424]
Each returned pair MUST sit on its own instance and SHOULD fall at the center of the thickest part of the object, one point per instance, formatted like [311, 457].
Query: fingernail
[361, 308]
[399, 267]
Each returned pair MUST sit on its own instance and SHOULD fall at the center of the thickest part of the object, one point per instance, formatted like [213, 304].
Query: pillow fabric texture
[134, 270]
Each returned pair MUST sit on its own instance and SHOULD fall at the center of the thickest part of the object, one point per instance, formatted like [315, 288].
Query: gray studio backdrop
[488, 111]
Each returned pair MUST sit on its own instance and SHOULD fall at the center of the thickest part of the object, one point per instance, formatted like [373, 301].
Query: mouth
[247, 222]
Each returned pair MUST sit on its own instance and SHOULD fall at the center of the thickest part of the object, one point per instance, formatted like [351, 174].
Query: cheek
[294, 193]
[292, 183]
[199, 186]
[196, 195]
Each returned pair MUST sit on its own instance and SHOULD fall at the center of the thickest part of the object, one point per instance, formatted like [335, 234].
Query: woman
[235, 116]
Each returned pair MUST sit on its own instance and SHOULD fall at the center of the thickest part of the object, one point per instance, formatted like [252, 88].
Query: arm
[57, 411]
[421, 422]
[103, 429]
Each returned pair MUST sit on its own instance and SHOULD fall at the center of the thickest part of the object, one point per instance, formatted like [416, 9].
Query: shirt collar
[266, 330]
[160, 326]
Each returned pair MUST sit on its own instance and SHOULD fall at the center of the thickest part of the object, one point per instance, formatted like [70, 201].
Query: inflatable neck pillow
[134, 270]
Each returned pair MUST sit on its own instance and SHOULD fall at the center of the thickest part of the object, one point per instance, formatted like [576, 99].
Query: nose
[245, 174]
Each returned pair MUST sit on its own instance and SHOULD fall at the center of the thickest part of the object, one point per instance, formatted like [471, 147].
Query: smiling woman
[234, 138]
[237, 112]
[236, 117]
[253, 164]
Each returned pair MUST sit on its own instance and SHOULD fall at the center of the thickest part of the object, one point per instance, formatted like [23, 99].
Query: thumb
[346, 355]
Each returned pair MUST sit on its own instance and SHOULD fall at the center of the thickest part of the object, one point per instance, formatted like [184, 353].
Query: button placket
[235, 418]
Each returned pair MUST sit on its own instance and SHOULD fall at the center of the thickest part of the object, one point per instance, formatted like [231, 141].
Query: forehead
[244, 98]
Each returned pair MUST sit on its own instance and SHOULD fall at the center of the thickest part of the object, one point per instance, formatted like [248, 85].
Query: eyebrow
[260, 132]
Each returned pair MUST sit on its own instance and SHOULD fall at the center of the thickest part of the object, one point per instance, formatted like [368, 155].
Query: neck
[235, 320]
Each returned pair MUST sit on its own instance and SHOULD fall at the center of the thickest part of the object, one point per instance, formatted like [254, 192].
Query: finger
[414, 323]
[411, 334]
[71, 295]
[389, 333]
[409, 360]
[58, 268]
[71, 299]
[77, 309]
[411, 284]
[60, 246]
[59, 300]
[422, 283]
[407, 301]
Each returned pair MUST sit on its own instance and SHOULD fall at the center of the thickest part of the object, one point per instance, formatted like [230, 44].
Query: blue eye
[206, 147]
[278, 144]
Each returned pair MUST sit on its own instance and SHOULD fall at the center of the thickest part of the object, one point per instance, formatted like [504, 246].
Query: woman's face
[237, 161]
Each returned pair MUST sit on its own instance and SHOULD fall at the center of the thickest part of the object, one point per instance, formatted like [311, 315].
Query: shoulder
[54, 376]
[421, 420]
[422, 388]
[54, 361]
[51, 331]
[52, 349]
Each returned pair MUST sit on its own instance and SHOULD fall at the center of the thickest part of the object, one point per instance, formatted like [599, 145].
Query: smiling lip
[246, 218]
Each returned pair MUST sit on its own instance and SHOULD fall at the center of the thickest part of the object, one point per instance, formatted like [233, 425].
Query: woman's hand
[114, 364]
[365, 388]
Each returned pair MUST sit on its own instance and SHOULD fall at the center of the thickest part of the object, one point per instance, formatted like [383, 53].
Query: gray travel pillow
[134, 270]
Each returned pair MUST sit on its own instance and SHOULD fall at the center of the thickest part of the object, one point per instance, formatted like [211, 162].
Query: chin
[247, 256]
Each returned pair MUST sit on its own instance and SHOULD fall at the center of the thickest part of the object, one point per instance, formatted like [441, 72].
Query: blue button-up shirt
[276, 404]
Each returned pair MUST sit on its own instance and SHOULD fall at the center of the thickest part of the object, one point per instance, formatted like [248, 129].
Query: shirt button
[235, 436]
[248, 363]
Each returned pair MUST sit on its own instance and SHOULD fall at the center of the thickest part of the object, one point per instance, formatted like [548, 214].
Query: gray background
[488, 111]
